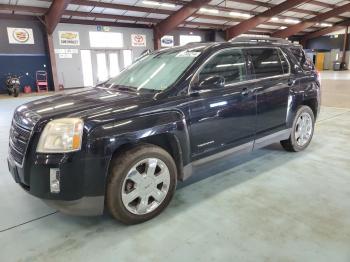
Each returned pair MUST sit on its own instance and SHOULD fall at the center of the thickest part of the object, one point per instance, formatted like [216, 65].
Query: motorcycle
[13, 83]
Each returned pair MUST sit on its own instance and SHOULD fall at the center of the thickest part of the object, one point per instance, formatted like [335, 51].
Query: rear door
[271, 70]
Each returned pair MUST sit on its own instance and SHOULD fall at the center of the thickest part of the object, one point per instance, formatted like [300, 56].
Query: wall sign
[66, 51]
[22, 36]
[65, 55]
[138, 40]
[167, 41]
[68, 38]
[103, 28]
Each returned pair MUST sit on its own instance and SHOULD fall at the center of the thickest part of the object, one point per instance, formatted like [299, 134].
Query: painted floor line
[24, 223]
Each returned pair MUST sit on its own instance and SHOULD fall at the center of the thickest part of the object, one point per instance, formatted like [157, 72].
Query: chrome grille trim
[19, 139]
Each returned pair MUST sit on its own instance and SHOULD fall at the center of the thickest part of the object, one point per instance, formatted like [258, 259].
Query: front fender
[106, 139]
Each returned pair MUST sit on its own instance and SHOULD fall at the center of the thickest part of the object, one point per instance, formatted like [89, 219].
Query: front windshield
[155, 71]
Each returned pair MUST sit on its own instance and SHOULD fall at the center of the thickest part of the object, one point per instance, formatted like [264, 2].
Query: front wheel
[302, 130]
[141, 184]
[16, 92]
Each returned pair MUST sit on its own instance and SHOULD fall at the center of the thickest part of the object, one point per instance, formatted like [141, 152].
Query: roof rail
[257, 39]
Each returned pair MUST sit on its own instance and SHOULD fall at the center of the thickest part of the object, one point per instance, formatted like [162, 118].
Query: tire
[15, 92]
[9, 92]
[294, 144]
[122, 181]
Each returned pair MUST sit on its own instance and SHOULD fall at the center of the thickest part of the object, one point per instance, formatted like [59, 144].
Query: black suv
[123, 145]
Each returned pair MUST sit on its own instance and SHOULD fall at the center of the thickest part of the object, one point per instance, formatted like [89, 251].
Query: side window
[230, 65]
[284, 62]
[266, 62]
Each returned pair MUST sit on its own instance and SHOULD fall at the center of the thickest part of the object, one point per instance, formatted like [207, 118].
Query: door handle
[291, 82]
[245, 91]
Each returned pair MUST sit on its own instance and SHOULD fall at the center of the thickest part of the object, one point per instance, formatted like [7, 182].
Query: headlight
[61, 136]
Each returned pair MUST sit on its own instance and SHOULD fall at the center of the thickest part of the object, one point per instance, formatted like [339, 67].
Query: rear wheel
[302, 130]
[141, 184]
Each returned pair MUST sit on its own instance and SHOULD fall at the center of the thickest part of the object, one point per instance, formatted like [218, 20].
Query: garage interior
[267, 206]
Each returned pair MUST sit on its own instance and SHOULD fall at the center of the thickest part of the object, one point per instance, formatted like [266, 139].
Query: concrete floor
[267, 206]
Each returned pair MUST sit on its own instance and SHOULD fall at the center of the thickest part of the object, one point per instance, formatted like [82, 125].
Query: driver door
[222, 116]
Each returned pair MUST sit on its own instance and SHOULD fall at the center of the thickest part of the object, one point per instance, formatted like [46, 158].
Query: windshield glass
[155, 71]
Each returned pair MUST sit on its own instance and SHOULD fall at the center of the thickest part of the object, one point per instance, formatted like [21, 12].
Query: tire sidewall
[118, 174]
[301, 110]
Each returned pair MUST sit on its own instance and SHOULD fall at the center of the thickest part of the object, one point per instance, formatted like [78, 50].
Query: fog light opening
[55, 180]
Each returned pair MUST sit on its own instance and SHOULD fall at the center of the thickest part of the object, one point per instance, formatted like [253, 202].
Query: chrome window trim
[245, 81]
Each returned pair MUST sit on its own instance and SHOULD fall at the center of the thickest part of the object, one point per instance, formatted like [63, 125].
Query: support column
[345, 44]
[52, 56]
[156, 39]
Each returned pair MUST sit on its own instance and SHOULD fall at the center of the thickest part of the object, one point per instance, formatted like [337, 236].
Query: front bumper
[82, 182]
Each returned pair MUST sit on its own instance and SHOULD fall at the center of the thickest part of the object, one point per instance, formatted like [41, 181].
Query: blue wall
[20, 64]
[21, 59]
[327, 43]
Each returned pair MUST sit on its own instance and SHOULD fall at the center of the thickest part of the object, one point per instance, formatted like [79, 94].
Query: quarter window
[266, 62]
[230, 64]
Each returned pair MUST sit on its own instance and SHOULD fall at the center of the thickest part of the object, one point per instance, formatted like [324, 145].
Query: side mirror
[211, 82]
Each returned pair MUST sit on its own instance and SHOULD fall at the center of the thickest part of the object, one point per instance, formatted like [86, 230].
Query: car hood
[87, 102]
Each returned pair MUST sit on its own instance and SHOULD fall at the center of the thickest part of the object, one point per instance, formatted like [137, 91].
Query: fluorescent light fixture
[245, 15]
[209, 10]
[283, 27]
[291, 21]
[325, 25]
[158, 4]
[275, 19]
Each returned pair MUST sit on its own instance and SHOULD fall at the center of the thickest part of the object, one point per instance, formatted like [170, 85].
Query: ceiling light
[209, 10]
[275, 19]
[240, 14]
[158, 4]
[283, 27]
[325, 25]
[291, 21]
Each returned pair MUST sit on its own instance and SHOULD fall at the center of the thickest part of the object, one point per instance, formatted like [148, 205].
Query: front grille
[19, 139]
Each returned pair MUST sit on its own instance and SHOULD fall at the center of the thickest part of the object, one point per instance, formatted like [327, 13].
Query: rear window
[266, 62]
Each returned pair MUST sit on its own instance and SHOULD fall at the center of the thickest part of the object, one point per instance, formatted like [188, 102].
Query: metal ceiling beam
[169, 12]
[29, 9]
[325, 31]
[261, 18]
[54, 14]
[175, 19]
[122, 7]
[292, 30]
[298, 10]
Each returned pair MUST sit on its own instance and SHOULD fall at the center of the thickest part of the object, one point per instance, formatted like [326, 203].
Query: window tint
[266, 62]
[229, 64]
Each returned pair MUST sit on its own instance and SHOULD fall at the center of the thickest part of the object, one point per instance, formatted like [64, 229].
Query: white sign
[66, 51]
[138, 40]
[65, 55]
[167, 41]
[22, 36]
[68, 38]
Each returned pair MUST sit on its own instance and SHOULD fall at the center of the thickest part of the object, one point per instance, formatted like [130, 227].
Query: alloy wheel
[303, 129]
[145, 186]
